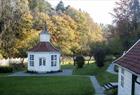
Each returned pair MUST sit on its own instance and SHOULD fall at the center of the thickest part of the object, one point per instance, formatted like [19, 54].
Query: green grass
[104, 77]
[101, 74]
[88, 69]
[4, 74]
[58, 85]
[67, 66]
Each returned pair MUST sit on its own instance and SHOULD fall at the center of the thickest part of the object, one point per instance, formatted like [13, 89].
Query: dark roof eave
[133, 72]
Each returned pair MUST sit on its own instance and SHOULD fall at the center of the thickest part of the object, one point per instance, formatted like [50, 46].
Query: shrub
[17, 66]
[79, 61]
[6, 69]
[99, 56]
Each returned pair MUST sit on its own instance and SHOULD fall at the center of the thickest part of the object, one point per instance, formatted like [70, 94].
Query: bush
[99, 56]
[6, 69]
[79, 61]
[17, 66]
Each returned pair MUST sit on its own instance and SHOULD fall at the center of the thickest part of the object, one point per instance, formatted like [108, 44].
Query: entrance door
[42, 64]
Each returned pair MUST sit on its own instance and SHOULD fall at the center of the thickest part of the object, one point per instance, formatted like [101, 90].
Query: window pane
[51, 63]
[31, 57]
[40, 62]
[44, 62]
[55, 57]
[51, 57]
[55, 62]
[31, 63]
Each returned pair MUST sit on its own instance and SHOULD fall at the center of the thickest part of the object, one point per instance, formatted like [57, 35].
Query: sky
[98, 9]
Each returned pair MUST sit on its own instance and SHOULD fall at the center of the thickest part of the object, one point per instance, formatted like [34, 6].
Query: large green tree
[21, 20]
[126, 16]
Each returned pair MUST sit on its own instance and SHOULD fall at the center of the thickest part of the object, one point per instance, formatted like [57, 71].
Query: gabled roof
[131, 59]
[44, 47]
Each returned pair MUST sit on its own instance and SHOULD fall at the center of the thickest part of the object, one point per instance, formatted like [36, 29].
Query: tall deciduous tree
[127, 20]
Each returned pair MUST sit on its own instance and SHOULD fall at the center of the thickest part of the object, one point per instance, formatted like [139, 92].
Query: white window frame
[122, 70]
[42, 61]
[31, 60]
[53, 60]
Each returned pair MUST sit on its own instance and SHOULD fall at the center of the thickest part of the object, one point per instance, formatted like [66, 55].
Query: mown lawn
[88, 69]
[101, 74]
[67, 66]
[58, 85]
[4, 74]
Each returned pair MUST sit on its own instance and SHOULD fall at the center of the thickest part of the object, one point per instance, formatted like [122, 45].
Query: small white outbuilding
[44, 57]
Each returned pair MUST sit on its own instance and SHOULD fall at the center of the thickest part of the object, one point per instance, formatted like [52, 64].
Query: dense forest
[73, 31]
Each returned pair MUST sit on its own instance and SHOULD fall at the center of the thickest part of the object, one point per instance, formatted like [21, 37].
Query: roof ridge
[127, 51]
[132, 46]
[131, 59]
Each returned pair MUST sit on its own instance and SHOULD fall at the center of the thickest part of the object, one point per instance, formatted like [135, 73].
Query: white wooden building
[44, 57]
[129, 71]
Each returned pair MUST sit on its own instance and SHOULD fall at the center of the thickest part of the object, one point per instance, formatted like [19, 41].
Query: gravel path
[98, 89]
[66, 72]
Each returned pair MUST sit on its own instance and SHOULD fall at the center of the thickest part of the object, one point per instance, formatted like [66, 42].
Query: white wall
[126, 90]
[44, 37]
[47, 67]
[137, 87]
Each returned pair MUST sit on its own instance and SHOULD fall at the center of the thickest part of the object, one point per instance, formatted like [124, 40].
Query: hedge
[6, 69]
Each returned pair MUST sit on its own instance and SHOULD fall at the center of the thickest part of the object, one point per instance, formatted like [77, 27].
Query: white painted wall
[48, 66]
[44, 37]
[137, 87]
[126, 90]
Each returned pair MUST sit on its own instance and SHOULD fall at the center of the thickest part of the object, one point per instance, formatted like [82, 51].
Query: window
[31, 60]
[31, 57]
[53, 60]
[42, 61]
[122, 81]
[122, 70]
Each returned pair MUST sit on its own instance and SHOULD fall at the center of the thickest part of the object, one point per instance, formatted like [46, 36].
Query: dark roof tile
[131, 60]
[44, 47]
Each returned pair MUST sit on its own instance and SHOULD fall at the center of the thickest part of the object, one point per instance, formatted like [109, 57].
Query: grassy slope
[45, 86]
[100, 73]
[105, 77]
